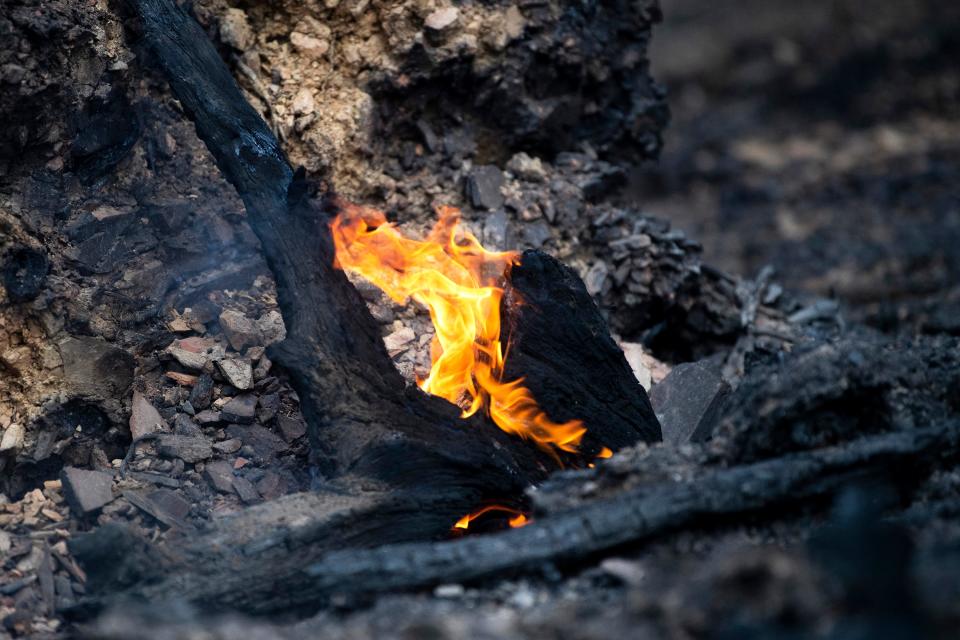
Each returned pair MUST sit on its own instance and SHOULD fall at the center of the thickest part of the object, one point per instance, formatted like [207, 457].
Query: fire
[457, 280]
[517, 518]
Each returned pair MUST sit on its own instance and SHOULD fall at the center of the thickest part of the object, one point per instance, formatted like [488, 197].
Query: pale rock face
[303, 102]
[308, 45]
[235, 30]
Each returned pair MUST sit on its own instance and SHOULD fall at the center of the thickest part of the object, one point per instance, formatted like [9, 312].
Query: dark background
[822, 137]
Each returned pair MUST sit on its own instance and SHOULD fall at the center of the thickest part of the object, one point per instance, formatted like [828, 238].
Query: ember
[516, 519]
[457, 280]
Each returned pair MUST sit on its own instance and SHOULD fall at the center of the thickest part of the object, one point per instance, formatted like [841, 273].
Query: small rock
[523, 166]
[302, 103]
[144, 417]
[596, 276]
[263, 443]
[168, 505]
[495, 230]
[441, 18]
[308, 45]
[687, 402]
[187, 448]
[219, 474]
[12, 438]
[239, 373]
[228, 446]
[86, 491]
[628, 572]
[235, 30]
[239, 329]
[202, 393]
[536, 233]
[262, 370]
[184, 426]
[636, 358]
[483, 187]
[271, 327]
[194, 353]
[397, 341]
[241, 409]
[269, 404]
[271, 485]
[208, 416]
[245, 489]
[290, 428]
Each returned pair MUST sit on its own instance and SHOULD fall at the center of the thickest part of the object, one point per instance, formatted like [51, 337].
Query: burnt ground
[822, 139]
[817, 137]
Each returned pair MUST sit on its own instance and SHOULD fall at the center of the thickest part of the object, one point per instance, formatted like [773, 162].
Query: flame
[457, 280]
[518, 518]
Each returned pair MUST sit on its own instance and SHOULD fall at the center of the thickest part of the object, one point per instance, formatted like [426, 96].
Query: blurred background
[821, 137]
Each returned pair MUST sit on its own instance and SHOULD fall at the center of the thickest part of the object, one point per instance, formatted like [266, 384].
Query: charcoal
[24, 273]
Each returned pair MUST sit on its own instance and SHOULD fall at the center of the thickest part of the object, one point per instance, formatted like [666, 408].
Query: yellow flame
[458, 281]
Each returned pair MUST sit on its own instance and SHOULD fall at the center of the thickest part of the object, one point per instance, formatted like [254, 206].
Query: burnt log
[558, 342]
[284, 569]
[365, 424]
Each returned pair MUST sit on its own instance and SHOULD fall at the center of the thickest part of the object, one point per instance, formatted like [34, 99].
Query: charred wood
[292, 568]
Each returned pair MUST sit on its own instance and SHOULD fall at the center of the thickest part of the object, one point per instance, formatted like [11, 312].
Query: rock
[194, 353]
[527, 168]
[86, 491]
[167, 506]
[12, 437]
[596, 276]
[220, 475]
[291, 428]
[202, 393]
[94, 367]
[235, 30]
[262, 370]
[269, 404]
[237, 372]
[241, 409]
[24, 273]
[636, 358]
[308, 45]
[271, 485]
[687, 402]
[228, 446]
[495, 230]
[483, 187]
[271, 327]
[536, 233]
[208, 416]
[190, 449]
[441, 18]
[302, 103]
[264, 443]
[144, 417]
[398, 340]
[245, 489]
[184, 426]
[239, 329]
[170, 502]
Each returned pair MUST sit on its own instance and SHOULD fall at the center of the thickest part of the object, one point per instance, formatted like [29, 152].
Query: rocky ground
[134, 385]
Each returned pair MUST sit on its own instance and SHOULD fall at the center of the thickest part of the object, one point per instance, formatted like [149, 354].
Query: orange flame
[457, 280]
[517, 520]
